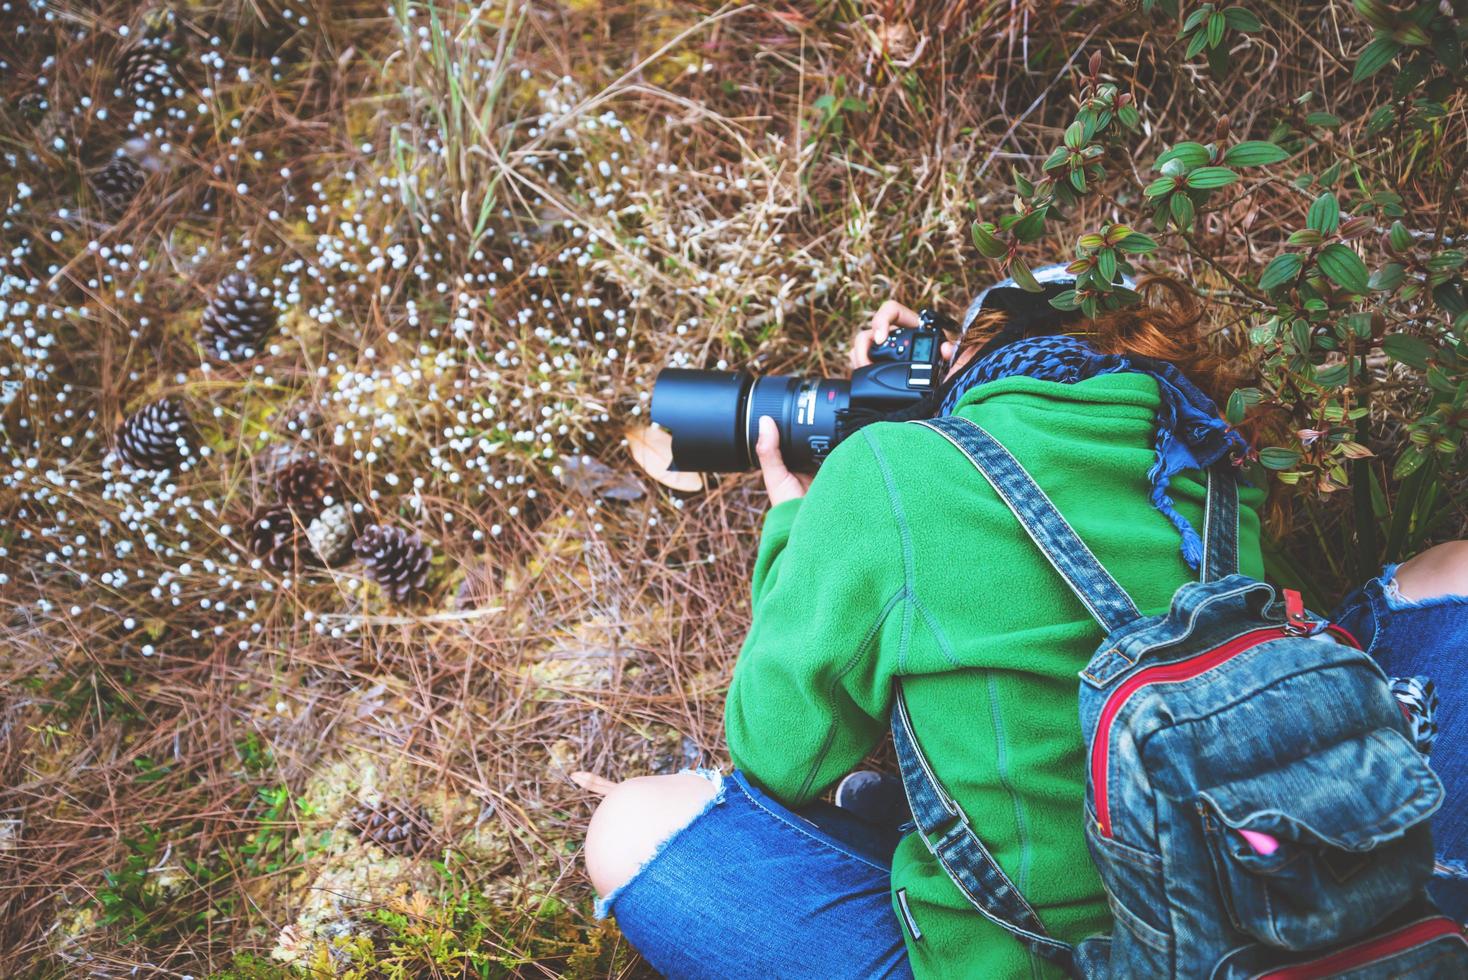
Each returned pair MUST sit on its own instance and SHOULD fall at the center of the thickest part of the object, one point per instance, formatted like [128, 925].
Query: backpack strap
[941, 823]
[945, 829]
[1221, 525]
[1091, 582]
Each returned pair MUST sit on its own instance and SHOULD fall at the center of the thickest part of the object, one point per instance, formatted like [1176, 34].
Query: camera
[713, 416]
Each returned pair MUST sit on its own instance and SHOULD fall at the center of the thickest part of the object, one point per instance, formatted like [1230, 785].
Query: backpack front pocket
[1326, 846]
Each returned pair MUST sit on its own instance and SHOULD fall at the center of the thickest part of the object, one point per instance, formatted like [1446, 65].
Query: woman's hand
[780, 483]
[889, 316]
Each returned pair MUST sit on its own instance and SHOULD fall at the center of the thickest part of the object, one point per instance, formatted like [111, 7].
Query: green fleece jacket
[901, 561]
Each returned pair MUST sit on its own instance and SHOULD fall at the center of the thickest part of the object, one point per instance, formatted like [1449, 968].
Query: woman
[899, 561]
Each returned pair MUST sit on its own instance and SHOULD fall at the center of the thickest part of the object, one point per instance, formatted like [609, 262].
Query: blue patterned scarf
[1190, 433]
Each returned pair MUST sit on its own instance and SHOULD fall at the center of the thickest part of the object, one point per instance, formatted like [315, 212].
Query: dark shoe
[874, 797]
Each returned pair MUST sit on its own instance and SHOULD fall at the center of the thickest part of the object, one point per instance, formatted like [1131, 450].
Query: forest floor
[475, 233]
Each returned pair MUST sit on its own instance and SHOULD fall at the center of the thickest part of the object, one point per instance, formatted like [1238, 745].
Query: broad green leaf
[1376, 13]
[1065, 300]
[1407, 349]
[1332, 375]
[1181, 207]
[1449, 50]
[1242, 19]
[1357, 324]
[1441, 381]
[1160, 186]
[1410, 75]
[1091, 122]
[1122, 296]
[1413, 34]
[1137, 243]
[1211, 178]
[1189, 154]
[1399, 237]
[1344, 267]
[1278, 458]
[1409, 462]
[1388, 277]
[1447, 261]
[1216, 24]
[1308, 237]
[1325, 214]
[984, 240]
[1218, 61]
[1031, 226]
[1374, 57]
[1301, 336]
[1240, 402]
[1106, 264]
[1023, 277]
[1380, 119]
[1254, 153]
[1197, 44]
[1280, 270]
[1325, 120]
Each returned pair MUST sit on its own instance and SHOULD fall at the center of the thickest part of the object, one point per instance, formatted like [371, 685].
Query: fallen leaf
[592, 783]
[590, 477]
[652, 448]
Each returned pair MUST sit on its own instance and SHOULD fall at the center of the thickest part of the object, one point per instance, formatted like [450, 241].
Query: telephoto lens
[713, 416]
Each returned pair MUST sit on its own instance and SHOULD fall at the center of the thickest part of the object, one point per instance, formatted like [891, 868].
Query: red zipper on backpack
[1180, 670]
[1417, 934]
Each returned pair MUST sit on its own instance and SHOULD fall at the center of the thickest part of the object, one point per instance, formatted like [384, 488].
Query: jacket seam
[930, 621]
[1001, 769]
[904, 594]
[856, 658]
[894, 504]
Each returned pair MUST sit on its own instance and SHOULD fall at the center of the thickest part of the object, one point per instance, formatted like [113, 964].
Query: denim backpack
[1253, 803]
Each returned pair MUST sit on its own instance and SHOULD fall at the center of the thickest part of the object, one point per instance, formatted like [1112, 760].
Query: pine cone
[276, 536]
[157, 436]
[237, 320]
[116, 183]
[145, 72]
[395, 559]
[331, 535]
[303, 485]
[398, 828]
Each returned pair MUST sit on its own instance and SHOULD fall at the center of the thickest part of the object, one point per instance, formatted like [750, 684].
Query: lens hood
[705, 413]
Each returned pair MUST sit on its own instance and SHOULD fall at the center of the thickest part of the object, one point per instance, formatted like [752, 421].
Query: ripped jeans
[1428, 639]
[751, 888]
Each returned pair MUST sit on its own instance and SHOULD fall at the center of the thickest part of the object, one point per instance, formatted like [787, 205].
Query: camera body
[713, 416]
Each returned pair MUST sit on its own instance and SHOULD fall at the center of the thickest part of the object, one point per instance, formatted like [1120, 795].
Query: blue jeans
[751, 888]
[1427, 638]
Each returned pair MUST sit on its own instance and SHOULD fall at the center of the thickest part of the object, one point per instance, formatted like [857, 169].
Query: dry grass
[486, 227]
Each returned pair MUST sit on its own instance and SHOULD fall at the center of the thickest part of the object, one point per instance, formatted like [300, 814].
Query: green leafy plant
[268, 848]
[1070, 173]
[830, 113]
[1354, 323]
